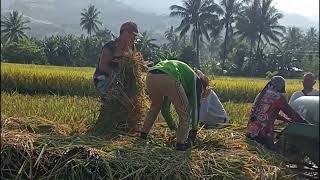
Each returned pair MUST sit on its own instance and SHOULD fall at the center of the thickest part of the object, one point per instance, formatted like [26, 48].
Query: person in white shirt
[308, 90]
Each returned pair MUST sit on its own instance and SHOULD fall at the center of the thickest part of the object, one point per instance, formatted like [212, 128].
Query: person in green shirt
[174, 81]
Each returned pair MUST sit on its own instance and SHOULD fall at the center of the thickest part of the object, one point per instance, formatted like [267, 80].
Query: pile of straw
[125, 103]
[218, 154]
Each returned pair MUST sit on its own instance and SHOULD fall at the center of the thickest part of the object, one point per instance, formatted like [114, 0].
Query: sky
[307, 8]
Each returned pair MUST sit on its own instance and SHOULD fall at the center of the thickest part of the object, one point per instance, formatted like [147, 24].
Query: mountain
[39, 28]
[162, 7]
[157, 6]
[63, 16]
[290, 19]
[57, 16]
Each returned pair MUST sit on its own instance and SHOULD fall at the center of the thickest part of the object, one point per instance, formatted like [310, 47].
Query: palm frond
[184, 22]
[178, 8]
[184, 30]
[178, 14]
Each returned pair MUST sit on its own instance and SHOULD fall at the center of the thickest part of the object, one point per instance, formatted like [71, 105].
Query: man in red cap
[111, 54]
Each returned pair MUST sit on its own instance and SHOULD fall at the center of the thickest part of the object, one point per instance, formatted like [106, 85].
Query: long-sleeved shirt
[261, 123]
[185, 75]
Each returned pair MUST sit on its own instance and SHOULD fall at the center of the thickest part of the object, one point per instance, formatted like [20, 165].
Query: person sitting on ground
[174, 81]
[308, 82]
[111, 54]
[265, 111]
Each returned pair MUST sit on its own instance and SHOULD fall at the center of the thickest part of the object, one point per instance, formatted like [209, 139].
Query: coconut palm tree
[231, 9]
[174, 40]
[293, 39]
[169, 34]
[214, 45]
[13, 27]
[312, 39]
[147, 46]
[269, 28]
[90, 19]
[196, 14]
[247, 24]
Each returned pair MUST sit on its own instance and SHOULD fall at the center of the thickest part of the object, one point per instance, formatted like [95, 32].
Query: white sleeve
[294, 96]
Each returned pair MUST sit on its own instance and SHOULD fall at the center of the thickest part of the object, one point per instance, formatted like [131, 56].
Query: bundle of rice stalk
[123, 106]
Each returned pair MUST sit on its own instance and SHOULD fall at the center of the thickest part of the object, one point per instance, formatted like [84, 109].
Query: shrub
[24, 51]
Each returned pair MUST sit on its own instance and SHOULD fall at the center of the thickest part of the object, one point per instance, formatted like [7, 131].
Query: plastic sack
[307, 107]
[212, 111]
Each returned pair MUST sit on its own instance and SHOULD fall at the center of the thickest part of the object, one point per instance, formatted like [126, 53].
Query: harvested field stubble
[80, 112]
[76, 113]
[59, 149]
[218, 154]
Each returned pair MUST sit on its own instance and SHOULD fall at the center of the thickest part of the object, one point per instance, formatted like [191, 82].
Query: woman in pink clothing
[266, 110]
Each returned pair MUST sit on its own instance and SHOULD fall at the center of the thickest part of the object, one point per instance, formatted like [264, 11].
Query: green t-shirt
[185, 75]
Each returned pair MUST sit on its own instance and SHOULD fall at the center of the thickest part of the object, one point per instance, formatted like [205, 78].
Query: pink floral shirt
[266, 111]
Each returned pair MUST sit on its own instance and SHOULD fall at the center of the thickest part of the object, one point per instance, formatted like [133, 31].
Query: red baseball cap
[130, 27]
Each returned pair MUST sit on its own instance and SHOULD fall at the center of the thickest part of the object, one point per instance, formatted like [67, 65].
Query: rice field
[70, 110]
[39, 130]
[39, 79]
[47, 113]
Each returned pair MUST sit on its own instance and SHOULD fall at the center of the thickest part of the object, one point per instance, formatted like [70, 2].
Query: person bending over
[174, 81]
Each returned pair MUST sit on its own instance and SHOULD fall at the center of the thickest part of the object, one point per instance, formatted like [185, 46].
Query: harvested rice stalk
[38, 156]
[125, 102]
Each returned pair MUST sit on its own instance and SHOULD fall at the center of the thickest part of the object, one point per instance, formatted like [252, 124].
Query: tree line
[233, 37]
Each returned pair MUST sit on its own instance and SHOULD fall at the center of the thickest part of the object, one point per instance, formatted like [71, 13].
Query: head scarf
[277, 83]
